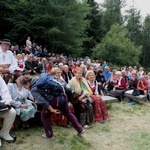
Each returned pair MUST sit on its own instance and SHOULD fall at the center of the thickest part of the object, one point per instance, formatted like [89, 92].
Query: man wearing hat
[8, 64]
[8, 115]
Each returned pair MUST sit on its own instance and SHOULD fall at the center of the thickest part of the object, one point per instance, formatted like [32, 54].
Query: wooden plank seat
[109, 99]
[128, 94]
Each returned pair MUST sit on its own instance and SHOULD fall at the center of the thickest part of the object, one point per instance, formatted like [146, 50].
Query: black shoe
[11, 141]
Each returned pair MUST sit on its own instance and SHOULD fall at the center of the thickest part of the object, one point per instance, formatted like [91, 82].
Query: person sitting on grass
[51, 104]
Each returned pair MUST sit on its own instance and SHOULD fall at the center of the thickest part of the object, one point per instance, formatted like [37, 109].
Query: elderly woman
[99, 108]
[119, 87]
[21, 100]
[79, 85]
[50, 104]
[143, 85]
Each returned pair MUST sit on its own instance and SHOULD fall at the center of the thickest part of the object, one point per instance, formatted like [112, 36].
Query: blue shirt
[107, 75]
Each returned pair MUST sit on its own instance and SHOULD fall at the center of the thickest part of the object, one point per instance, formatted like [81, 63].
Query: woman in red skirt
[99, 108]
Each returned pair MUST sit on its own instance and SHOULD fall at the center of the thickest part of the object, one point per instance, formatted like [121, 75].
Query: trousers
[45, 117]
[8, 121]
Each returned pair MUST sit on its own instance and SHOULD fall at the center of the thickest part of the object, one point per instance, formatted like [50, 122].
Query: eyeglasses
[79, 73]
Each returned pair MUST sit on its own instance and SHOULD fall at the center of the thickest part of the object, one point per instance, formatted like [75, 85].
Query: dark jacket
[40, 95]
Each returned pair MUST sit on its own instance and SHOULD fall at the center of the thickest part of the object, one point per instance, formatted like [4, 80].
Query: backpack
[50, 84]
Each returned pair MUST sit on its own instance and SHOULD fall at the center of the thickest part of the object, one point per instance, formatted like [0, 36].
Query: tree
[93, 31]
[134, 25]
[59, 24]
[111, 13]
[146, 42]
[116, 48]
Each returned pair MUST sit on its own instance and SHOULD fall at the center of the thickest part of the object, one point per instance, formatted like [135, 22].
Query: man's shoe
[44, 136]
[79, 133]
[11, 141]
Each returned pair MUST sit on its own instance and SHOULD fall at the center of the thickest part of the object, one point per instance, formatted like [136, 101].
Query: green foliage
[116, 48]
[145, 42]
[134, 25]
[111, 13]
[93, 31]
[59, 24]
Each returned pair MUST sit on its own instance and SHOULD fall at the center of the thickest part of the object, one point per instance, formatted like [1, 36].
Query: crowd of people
[87, 80]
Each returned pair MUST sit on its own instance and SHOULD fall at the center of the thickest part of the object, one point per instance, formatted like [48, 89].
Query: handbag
[4, 107]
[136, 92]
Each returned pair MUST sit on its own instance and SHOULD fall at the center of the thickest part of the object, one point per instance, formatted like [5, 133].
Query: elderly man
[8, 63]
[8, 116]
[66, 74]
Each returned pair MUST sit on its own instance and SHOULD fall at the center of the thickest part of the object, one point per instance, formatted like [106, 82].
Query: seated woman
[113, 76]
[79, 85]
[101, 81]
[50, 105]
[142, 86]
[119, 87]
[133, 82]
[99, 108]
[21, 100]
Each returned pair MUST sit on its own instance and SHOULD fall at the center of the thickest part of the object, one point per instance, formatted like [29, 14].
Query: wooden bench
[140, 98]
[109, 99]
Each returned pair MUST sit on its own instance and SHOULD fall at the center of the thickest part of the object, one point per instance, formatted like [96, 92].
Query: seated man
[66, 74]
[29, 66]
[8, 63]
[8, 116]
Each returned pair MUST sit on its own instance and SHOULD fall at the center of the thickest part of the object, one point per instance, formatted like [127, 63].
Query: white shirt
[8, 58]
[4, 93]
[28, 43]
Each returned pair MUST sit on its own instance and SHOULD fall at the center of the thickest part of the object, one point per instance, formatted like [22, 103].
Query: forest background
[80, 28]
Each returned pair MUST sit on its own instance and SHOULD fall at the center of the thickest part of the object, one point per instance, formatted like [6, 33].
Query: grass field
[128, 129]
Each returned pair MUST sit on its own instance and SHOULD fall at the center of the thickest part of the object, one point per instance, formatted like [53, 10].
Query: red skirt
[99, 109]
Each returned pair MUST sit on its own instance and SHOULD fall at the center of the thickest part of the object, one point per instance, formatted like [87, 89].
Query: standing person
[8, 116]
[8, 63]
[28, 43]
[99, 108]
[50, 105]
